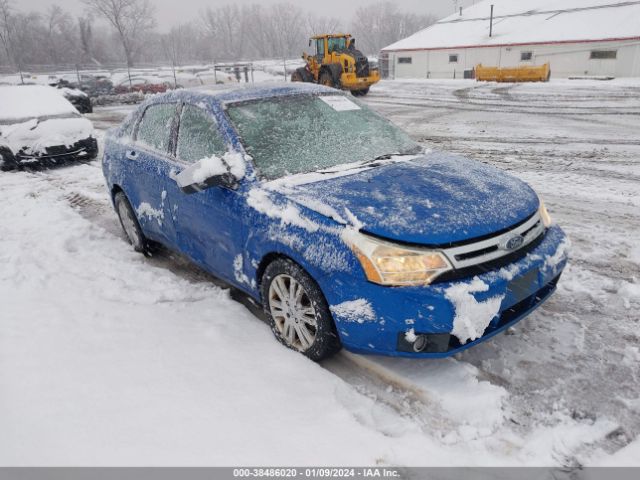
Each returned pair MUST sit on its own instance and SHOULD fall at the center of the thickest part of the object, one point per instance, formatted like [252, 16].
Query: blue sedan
[347, 232]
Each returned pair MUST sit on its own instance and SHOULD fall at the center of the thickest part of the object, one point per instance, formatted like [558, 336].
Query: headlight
[544, 215]
[388, 264]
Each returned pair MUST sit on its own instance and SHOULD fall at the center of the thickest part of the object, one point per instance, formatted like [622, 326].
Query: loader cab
[325, 45]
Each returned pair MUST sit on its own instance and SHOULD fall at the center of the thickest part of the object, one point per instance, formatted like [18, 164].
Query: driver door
[208, 227]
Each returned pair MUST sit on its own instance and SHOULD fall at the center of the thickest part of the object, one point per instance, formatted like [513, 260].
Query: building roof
[517, 22]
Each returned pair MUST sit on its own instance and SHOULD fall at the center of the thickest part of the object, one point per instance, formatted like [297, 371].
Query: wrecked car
[39, 126]
[346, 232]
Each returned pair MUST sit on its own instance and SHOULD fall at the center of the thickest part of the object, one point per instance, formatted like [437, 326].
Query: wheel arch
[268, 259]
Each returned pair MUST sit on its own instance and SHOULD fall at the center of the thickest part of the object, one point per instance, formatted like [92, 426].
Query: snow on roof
[529, 21]
[32, 101]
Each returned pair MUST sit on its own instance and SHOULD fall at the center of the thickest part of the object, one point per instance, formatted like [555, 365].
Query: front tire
[326, 79]
[298, 313]
[130, 225]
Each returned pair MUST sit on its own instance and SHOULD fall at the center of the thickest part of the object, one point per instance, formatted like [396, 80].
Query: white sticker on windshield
[340, 103]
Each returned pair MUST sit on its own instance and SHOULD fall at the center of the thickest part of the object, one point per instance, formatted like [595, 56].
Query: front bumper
[85, 149]
[397, 313]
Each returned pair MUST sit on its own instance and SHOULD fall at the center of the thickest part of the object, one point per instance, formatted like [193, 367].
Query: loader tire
[360, 93]
[326, 79]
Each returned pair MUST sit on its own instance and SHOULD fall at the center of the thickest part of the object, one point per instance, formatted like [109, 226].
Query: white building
[577, 38]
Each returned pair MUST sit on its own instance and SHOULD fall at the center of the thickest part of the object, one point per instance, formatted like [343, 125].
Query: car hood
[434, 199]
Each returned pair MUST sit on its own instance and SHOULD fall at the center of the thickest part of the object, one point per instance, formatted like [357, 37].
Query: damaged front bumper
[444, 318]
[86, 149]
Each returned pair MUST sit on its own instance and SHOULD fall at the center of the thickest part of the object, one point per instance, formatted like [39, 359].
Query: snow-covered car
[38, 125]
[346, 231]
[141, 84]
[77, 98]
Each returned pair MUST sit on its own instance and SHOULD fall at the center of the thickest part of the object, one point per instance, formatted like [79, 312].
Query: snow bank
[359, 311]
[471, 317]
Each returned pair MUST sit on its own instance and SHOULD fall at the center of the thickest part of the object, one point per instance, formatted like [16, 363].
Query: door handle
[132, 155]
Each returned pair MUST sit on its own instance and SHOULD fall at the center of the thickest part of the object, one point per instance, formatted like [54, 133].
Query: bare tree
[7, 30]
[226, 27]
[318, 25]
[131, 19]
[381, 24]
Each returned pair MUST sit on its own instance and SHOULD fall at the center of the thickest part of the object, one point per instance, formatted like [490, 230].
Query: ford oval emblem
[514, 242]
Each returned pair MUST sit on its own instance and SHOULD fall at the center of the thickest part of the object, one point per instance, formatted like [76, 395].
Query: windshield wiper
[371, 162]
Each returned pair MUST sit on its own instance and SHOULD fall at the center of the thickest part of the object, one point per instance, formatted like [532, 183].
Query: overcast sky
[170, 12]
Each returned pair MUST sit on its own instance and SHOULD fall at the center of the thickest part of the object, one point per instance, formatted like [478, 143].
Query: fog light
[420, 343]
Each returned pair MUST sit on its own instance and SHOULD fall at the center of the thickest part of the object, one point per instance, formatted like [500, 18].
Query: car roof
[242, 93]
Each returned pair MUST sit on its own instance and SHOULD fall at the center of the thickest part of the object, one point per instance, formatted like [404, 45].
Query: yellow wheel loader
[336, 63]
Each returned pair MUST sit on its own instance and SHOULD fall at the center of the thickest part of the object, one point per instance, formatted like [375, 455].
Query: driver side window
[198, 136]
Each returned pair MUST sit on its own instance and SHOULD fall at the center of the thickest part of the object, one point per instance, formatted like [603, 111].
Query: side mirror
[205, 173]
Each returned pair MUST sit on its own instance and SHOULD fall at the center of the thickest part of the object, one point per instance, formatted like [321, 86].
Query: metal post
[491, 22]
[215, 74]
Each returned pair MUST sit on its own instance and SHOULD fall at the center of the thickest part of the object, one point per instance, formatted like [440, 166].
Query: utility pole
[491, 22]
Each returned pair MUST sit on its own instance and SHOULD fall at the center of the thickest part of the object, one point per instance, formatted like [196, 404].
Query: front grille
[479, 269]
[492, 253]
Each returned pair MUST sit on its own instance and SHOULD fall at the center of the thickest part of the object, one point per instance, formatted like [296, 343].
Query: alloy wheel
[292, 311]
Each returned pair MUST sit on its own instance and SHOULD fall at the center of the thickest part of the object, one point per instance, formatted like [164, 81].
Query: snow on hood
[36, 136]
[25, 102]
[434, 199]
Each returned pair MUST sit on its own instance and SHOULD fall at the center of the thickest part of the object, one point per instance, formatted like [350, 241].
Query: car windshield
[301, 134]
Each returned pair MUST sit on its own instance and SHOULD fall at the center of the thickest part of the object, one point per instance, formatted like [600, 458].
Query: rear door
[149, 163]
[208, 223]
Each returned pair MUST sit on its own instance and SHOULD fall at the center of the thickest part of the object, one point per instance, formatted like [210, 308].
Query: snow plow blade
[540, 73]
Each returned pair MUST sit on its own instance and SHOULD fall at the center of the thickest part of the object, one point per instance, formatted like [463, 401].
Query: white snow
[237, 164]
[410, 335]
[239, 274]
[471, 316]
[208, 167]
[145, 210]
[288, 213]
[528, 21]
[32, 101]
[359, 310]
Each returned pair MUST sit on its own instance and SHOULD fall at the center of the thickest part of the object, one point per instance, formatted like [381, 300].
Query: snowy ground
[107, 357]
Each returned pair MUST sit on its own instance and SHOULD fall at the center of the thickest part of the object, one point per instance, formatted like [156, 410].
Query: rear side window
[154, 130]
[198, 136]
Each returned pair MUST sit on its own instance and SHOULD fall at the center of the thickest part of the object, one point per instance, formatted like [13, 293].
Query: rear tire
[130, 225]
[297, 311]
